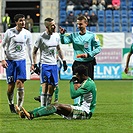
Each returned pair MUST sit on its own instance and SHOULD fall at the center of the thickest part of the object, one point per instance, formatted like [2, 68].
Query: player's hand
[36, 69]
[126, 70]
[64, 65]
[4, 64]
[74, 79]
[62, 30]
[82, 55]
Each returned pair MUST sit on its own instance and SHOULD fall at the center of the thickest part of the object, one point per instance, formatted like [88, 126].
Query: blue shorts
[49, 74]
[16, 70]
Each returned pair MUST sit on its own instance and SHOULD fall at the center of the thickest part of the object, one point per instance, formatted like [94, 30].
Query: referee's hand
[62, 30]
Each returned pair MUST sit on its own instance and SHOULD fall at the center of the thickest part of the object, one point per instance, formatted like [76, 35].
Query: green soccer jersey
[131, 49]
[88, 43]
[87, 87]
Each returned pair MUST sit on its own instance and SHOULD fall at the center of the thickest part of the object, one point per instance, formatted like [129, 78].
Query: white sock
[43, 99]
[20, 97]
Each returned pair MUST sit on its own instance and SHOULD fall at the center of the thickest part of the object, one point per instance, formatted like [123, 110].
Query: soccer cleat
[12, 108]
[18, 111]
[27, 114]
[56, 101]
[37, 99]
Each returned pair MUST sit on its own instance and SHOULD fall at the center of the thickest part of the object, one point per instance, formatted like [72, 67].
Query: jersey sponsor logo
[18, 48]
[86, 45]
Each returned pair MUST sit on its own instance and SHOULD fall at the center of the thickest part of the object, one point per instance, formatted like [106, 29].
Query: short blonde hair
[82, 17]
[47, 21]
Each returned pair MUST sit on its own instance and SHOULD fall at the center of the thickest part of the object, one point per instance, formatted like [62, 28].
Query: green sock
[56, 92]
[44, 111]
[40, 90]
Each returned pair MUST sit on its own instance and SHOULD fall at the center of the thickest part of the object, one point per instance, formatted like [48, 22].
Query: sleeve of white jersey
[3, 45]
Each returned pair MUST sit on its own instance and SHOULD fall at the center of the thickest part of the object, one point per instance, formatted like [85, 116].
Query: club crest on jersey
[86, 45]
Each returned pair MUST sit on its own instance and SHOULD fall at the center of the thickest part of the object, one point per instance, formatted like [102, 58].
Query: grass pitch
[113, 112]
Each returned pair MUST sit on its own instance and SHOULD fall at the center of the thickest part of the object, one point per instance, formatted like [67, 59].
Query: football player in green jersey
[86, 88]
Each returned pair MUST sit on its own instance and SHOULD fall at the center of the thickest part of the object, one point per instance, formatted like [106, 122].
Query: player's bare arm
[62, 57]
[35, 49]
[127, 62]
[60, 52]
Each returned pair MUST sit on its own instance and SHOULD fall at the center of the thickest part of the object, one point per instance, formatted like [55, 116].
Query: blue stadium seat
[62, 20]
[83, 11]
[101, 29]
[62, 13]
[93, 28]
[123, 5]
[62, 4]
[116, 21]
[100, 13]
[124, 14]
[116, 13]
[108, 21]
[108, 29]
[116, 29]
[101, 21]
[70, 29]
[131, 21]
[77, 12]
[124, 29]
[124, 21]
[130, 5]
[130, 13]
[108, 13]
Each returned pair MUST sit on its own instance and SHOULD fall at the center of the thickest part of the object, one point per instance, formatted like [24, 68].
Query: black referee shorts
[90, 65]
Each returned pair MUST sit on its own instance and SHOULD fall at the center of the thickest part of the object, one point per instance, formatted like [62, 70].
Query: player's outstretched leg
[38, 112]
[27, 114]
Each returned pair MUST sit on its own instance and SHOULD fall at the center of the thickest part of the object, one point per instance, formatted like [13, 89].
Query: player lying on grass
[86, 88]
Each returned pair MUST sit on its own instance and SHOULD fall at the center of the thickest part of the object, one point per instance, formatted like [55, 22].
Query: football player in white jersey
[49, 45]
[14, 59]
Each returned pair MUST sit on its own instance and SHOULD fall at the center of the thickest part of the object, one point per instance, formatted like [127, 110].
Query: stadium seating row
[108, 20]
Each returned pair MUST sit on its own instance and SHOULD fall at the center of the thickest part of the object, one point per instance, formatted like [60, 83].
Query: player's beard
[51, 31]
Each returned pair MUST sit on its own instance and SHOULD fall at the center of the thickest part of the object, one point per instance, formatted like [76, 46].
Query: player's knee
[19, 82]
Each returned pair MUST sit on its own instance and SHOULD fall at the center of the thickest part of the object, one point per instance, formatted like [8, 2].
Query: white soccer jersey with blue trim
[48, 47]
[15, 43]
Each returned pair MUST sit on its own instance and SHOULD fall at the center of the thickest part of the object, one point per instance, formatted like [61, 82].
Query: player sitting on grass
[86, 88]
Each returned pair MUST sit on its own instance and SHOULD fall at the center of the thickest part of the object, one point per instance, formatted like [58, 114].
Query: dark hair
[49, 19]
[18, 16]
[81, 69]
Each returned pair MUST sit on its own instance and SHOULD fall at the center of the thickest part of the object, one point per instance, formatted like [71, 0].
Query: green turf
[113, 112]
